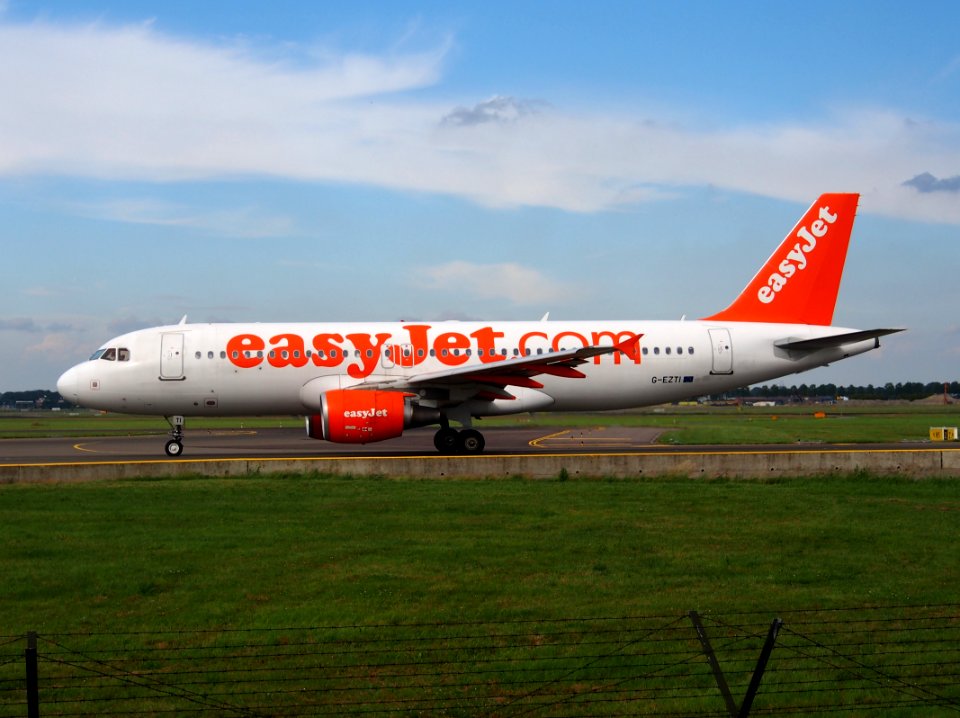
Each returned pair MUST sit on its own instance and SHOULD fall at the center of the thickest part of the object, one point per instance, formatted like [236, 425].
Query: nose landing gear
[174, 447]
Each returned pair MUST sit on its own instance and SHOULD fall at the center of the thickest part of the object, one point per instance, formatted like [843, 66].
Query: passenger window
[646, 351]
[197, 355]
[689, 350]
[667, 350]
[656, 350]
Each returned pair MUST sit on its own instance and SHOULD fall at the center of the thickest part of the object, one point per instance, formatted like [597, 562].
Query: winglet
[800, 282]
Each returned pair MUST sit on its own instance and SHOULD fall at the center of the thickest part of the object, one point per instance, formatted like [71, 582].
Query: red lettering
[632, 351]
[558, 340]
[369, 353]
[487, 345]
[523, 341]
[244, 343]
[329, 352]
[445, 346]
[290, 353]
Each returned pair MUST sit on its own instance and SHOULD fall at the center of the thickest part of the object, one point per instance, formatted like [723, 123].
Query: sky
[378, 161]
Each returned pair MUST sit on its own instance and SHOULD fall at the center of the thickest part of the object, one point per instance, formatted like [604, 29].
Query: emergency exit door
[171, 357]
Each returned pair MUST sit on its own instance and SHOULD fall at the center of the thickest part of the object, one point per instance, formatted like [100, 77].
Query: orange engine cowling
[355, 416]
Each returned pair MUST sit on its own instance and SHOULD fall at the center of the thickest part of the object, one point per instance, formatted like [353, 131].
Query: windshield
[111, 354]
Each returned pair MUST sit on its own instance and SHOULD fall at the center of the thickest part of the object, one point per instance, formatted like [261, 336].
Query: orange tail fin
[800, 281]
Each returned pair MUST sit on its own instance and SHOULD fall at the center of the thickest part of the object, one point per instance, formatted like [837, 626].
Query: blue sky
[239, 161]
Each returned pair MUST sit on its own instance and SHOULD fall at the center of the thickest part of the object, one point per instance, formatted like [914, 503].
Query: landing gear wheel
[447, 440]
[174, 447]
[471, 441]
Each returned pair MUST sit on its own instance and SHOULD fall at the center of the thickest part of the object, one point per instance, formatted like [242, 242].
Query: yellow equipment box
[943, 433]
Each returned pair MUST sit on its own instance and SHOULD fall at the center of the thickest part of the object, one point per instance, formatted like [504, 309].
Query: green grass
[780, 425]
[104, 559]
[319, 550]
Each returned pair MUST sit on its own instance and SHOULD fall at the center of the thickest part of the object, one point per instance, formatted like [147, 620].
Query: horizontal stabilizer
[834, 340]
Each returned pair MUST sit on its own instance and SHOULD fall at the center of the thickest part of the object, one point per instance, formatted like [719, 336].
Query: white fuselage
[235, 369]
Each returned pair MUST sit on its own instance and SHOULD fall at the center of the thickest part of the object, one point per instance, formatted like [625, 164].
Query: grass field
[115, 575]
[312, 550]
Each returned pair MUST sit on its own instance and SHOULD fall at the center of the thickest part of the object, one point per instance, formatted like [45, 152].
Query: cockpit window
[111, 354]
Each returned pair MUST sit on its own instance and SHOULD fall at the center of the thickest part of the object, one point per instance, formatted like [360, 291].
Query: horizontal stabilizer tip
[834, 340]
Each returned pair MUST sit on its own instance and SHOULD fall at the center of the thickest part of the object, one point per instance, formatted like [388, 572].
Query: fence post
[761, 667]
[714, 663]
[33, 676]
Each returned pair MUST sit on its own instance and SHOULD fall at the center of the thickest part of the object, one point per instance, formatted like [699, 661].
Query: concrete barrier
[917, 463]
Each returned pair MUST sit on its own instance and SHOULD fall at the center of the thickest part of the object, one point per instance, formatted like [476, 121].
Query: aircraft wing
[835, 340]
[507, 372]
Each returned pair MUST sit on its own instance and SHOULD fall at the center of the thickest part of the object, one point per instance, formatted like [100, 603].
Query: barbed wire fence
[878, 660]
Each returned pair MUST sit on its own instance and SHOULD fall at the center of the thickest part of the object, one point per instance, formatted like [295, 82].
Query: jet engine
[357, 416]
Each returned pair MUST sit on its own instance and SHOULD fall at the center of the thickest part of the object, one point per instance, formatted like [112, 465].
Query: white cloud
[240, 222]
[133, 103]
[515, 283]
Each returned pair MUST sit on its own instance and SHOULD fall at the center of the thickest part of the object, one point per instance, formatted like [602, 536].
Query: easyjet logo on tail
[796, 258]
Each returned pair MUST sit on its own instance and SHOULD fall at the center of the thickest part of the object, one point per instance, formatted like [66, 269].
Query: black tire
[471, 441]
[174, 448]
[447, 440]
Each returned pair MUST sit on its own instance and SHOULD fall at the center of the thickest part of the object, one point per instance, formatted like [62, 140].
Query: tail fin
[800, 281]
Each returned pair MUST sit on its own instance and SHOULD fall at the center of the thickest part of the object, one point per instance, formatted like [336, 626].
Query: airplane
[357, 383]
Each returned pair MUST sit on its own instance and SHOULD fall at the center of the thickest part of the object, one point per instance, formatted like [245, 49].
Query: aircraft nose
[68, 384]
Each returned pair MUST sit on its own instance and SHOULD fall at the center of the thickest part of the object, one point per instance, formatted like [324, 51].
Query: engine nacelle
[356, 416]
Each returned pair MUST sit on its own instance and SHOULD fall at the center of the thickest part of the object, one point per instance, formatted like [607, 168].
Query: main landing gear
[450, 441]
[174, 447]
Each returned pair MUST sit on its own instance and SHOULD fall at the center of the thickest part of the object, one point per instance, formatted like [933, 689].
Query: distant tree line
[39, 398]
[908, 391]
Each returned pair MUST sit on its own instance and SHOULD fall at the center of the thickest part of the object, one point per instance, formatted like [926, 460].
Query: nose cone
[68, 385]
